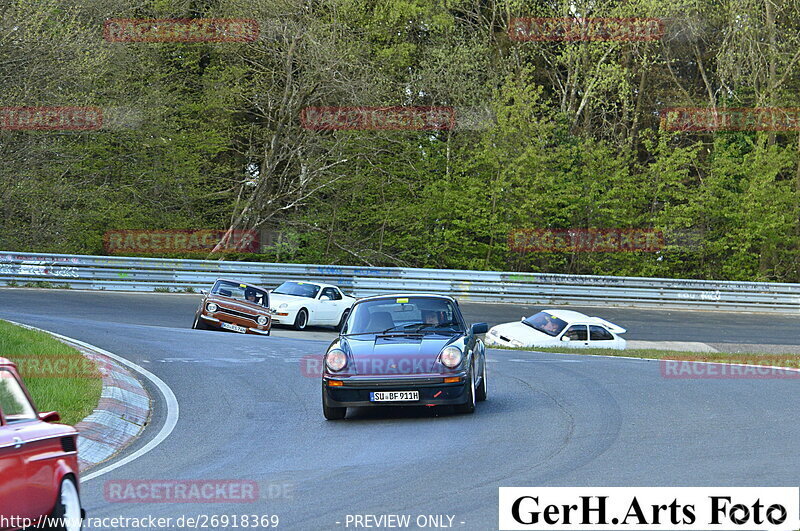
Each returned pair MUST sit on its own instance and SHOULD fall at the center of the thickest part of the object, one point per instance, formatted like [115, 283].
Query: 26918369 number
[252, 521]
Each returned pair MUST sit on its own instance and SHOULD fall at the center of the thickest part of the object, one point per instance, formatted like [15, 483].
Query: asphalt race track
[248, 413]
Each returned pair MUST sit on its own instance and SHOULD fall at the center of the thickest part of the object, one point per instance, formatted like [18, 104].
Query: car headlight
[284, 305]
[211, 307]
[335, 359]
[493, 332]
[451, 357]
[262, 320]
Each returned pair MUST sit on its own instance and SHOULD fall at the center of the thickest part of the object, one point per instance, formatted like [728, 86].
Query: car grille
[237, 313]
[68, 444]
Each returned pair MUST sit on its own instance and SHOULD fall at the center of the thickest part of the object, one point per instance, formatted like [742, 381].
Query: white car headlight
[262, 320]
[493, 332]
[211, 307]
[284, 305]
[335, 359]
[451, 357]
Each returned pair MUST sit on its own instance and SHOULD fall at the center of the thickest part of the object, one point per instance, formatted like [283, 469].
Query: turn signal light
[452, 379]
[335, 383]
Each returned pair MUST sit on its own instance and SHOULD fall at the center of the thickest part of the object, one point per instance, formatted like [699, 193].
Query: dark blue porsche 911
[404, 350]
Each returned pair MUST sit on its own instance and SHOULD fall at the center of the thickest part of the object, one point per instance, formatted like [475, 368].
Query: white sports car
[554, 328]
[301, 304]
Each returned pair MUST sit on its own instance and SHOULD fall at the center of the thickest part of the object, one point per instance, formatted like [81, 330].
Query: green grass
[751, 358]
[73, 391]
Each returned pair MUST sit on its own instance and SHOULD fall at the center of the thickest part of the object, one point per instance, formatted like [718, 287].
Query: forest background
[548, 134]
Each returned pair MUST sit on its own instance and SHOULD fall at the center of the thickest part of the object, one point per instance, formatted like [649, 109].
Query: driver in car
[430, 317]
[250, 295]
[551, 326]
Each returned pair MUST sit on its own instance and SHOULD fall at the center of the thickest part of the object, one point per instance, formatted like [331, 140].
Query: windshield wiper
[387, 332]
[431, 327]
[400, 330]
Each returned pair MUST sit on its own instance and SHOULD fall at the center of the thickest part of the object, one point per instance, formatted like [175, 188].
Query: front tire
[198, 323]
[468, 407]
[301, 321]
[480, 391]
[345, 314]
[332, 413]
[66, 515]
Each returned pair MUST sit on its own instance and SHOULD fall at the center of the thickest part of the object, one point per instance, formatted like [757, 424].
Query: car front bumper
[288, 319]
[355, 391]
[217, 323]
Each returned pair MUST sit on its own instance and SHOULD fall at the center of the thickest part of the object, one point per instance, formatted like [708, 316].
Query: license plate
[235, 328]
[394, 396]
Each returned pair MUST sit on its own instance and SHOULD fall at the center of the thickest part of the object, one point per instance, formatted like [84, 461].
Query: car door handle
[18, 442]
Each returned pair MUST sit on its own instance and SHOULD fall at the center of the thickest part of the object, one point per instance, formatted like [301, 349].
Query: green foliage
[549, 134]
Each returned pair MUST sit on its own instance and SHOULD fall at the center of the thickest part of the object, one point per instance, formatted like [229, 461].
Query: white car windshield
[546, 323]
[298, 289]
[405, 314]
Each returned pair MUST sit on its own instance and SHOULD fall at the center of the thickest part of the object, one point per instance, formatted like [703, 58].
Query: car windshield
[241, 292]
[298, 289]
[546, 323]
[405, 315]
[13, 402]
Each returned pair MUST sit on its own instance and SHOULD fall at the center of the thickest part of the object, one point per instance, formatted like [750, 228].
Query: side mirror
[480, 328]
[566, 338]
[324, 298]
[50, 416]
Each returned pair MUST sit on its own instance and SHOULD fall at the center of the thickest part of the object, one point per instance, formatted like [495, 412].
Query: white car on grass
[301, 304]
[558, 328]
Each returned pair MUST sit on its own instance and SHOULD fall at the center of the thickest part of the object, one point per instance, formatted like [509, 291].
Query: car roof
[320, 284]
[567, 315]
[577, 317]
[239, 282]
[406, 295]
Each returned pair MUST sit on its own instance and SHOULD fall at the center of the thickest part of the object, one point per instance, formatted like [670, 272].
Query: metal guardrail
[158, 274]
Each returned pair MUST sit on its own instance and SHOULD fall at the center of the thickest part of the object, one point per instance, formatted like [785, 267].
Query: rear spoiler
[611, 326]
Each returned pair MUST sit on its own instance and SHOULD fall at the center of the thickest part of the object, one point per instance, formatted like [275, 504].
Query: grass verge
[749, 358]
[58, 377]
